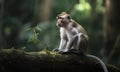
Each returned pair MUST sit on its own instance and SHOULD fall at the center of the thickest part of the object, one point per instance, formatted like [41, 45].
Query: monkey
[74, 37]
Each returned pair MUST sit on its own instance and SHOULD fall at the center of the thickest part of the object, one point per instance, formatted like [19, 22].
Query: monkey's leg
[70, 44]
[78, 42]
[74, 44]
[82, 43]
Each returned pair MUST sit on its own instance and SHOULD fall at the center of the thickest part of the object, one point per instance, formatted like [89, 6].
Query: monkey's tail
[100, 61]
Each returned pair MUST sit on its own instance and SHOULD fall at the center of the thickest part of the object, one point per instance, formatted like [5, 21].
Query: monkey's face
[63, 19]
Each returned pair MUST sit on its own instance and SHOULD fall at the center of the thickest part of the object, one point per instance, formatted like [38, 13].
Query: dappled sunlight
[83, 6]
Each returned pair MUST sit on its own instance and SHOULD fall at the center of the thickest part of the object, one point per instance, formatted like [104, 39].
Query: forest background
[30, 25]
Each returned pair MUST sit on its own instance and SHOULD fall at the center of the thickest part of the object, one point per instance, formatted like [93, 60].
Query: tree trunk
[114, 55]
[111, 25]
[45, 15]
[14, 60]
[1, 23]
[42, 11]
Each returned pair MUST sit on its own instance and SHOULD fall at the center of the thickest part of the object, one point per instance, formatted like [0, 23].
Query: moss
[43, 56]
[113, 68]
[15, 60]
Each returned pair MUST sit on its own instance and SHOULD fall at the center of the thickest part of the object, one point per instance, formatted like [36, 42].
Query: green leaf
[37, 28]
[28, 29]
[33, 39]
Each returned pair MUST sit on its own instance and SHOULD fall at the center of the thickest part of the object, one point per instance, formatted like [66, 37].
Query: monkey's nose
[59, 25]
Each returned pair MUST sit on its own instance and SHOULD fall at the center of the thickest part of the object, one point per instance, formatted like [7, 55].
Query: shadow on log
[12, 60]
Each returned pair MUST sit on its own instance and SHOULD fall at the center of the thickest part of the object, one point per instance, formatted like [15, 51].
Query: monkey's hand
[58, 50]
[55, 50]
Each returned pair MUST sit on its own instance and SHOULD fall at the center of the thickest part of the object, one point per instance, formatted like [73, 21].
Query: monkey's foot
[62, 52]
[74, 50]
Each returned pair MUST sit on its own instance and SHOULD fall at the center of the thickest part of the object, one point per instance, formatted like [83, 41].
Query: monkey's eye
[68, 17]
[59, 17]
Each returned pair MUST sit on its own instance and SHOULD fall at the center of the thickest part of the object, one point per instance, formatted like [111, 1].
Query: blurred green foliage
[20, 14]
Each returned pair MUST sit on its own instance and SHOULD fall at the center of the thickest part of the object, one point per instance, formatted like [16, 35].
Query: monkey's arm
[62, 44]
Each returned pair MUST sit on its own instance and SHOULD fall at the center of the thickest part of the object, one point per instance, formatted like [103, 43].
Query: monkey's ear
[68, 17]
[63, 13]
[57, 17]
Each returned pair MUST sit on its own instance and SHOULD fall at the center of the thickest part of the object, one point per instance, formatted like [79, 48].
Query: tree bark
[47, 61]
[111, 25]
[114, 55]
[42, 11]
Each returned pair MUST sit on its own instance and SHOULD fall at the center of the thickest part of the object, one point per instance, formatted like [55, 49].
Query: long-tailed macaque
[73, 37]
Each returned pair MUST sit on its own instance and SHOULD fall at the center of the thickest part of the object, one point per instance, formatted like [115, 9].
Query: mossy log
[12, 60]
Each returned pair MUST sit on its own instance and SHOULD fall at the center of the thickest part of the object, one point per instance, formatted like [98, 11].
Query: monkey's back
[80, 29]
